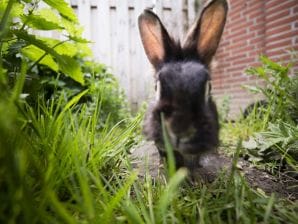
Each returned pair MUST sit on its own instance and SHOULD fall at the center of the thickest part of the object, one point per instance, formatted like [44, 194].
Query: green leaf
[169, 193]
[73, 29]
[253, 89]
[40, 23]
[79, 39]
[50, 15]
[116, 199]
[66, 48]
[16, 11]
[63, 8]
[67, 65]
[35, 53]
[60, 209]
[250, 144]
[70, 67]
[20, 82]
[21, 34]
[73, 102]
[271, 64]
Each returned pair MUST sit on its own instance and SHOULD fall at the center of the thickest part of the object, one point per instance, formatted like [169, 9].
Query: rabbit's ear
[205, 34]
[155, 38]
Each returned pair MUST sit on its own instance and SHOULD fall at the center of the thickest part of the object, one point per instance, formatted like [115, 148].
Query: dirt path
[145, 158]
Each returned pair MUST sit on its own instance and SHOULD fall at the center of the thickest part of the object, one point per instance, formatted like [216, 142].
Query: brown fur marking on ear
[204, 36]
[152, 39]
[212, 22]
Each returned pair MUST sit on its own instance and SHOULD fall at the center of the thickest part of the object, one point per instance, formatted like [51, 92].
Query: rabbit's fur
[183, 85]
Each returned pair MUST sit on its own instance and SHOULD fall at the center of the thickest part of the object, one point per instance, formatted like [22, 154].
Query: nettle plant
[278, 88]
[277, 143]
[54, 66]
[19, 40]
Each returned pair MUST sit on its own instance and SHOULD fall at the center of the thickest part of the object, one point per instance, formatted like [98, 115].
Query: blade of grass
[168, 194]
[171, 166]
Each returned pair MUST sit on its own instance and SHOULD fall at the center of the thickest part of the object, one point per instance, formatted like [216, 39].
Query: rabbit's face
[183, 93]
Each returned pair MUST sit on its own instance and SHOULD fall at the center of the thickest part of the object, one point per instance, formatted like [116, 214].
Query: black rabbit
[183, 85]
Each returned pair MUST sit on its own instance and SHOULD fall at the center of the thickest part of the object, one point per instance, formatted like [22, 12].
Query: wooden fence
[111, 25]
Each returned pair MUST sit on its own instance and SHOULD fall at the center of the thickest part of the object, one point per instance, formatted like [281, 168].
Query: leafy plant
[224, 109]
[54, 160]
[277, 142]
[21, 18]
[278, 88]
[55, 67]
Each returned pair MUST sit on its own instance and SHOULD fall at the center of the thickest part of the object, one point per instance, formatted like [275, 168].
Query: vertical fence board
[113, 35]
[140, 65]
[177, 24]
[122, 42]
[84, 15]
[167, 20]
[133, 66]
[101, 27]
[191, 12]
[159, 8]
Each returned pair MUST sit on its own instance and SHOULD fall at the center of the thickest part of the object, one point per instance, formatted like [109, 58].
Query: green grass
[58, 166]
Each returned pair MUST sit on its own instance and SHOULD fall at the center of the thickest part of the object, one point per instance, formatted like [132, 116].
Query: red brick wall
[253, 27]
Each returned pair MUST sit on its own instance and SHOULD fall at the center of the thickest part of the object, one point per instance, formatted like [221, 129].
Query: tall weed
[276, 143]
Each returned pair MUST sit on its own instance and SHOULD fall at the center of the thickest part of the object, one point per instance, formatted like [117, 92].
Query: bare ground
[145, 158]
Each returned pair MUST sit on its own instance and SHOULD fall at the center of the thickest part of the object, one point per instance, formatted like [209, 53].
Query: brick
[278, 44]
[274, 30]
[237, 4]
[237, 56]
[274, 52]
[243, 37]
[258, 13]
[277, 14]
[243, 61]
[255, 6]
[223, 54]
[237, 74]
[255, 27]
[257, 40]
[279, 5]
[281, 21]
[236, 19]
[236, 80]
[224, 42]
[240, 26]
[244, 48]
[242, 42]
[272, 3]
[235, 14]
[235, 68]
[281, 36]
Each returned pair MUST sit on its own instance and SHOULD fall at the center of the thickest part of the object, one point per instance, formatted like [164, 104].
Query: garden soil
[146, 160]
